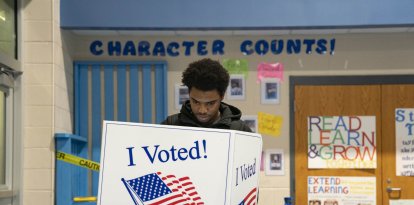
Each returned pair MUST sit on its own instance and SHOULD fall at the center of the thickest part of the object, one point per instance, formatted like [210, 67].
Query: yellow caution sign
[85, 199]
[78, 161]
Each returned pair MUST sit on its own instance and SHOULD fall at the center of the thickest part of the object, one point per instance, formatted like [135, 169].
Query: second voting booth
[160, 164]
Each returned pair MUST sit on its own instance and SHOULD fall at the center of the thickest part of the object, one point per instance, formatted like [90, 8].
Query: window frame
[6, 60]
[7, 187]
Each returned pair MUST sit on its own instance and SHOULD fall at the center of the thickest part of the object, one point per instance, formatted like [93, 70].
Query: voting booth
[161, 164]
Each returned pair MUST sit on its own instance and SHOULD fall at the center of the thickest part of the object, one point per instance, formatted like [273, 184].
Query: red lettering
[347, 152]
[322, 138]
[339, 149]
[366, 151]
[371, 141]
[350, 123]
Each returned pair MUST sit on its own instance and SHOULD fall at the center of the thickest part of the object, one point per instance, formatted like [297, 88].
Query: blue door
[118, 91]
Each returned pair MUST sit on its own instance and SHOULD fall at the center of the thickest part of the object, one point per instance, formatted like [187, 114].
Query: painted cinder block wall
[47, 95]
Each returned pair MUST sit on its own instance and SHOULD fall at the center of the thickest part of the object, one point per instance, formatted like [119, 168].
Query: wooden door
[380, 101]
[333, 100]
[394, 96]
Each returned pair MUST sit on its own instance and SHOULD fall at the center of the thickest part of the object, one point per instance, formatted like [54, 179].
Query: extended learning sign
[342, 142]
[338, 190]
[160, 164]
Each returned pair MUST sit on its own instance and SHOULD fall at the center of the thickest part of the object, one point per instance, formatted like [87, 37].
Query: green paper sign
[236, 66]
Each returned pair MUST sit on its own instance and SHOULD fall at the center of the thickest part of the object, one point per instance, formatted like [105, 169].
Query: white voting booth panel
[160, 164]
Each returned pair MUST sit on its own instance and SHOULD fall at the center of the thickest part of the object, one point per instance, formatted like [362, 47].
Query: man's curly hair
[206, 75]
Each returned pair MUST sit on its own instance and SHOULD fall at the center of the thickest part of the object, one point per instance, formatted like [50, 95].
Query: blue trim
[66, 136]
[109, 92]
[79, 175]
[188, 15]
[96, 123]
[146, 94]
[134, 93]
[83, 101]
[63, 170]
[121, 82]
[165, 90]
[159, 94]
[70, 179]
[76, 86]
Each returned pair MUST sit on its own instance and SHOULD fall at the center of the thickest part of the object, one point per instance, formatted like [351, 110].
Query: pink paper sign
[270, 70]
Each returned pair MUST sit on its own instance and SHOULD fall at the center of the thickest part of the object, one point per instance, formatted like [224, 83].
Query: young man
[207, 82]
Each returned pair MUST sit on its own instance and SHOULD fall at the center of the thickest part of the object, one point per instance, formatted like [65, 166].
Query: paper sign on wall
[155, 164]
[269, 124]
[236, 66]
[334, 190]
[270, 70]
[342, 142]
[404, 133]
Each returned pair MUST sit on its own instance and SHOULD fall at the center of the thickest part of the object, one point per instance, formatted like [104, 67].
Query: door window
[8, 40]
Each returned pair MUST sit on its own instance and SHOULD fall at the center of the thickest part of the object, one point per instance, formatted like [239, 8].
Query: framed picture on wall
[270, 91]
[251, 121]
[274, 162]
[237, 87]
[181, 95]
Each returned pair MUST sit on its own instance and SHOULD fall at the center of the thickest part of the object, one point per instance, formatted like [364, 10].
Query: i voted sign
[161, 164]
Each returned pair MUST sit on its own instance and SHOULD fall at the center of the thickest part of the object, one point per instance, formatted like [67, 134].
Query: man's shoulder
[240, 125]
[171, 120]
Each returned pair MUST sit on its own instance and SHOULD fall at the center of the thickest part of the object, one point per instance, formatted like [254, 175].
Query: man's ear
[224, 94]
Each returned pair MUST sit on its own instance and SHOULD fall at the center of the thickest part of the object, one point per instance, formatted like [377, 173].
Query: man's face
[205, 105]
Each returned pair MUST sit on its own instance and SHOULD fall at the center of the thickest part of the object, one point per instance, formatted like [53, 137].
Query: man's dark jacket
[229, 118]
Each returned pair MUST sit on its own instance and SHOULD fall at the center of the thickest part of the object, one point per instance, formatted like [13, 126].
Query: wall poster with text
[347, 142]
[335, 190]
[404, 142]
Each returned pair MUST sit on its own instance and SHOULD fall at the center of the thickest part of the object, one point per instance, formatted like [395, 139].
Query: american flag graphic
[250, 198]
[159, 189]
